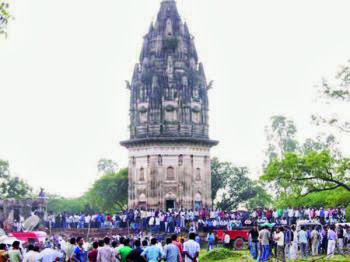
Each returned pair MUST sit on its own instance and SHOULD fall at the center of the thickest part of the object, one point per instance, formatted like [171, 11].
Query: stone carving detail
[168, 70]
[181, 160]
[142, 174]
[170, 174]
[198, 174]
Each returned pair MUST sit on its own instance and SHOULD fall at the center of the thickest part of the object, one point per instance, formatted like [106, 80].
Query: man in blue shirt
[152, 253]
[171, 252]
[79, 253]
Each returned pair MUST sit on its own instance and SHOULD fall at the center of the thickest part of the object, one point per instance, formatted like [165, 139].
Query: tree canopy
[4, 16]
[232, 187]
[309, 173]
[107, 194]
[110, 191]
[280, 135]
[12, 186]
[336, 89]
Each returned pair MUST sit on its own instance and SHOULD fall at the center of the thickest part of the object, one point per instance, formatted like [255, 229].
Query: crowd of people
[177, 221]
[113, 249]
[282, 242]
[299, 241]
[273, 232]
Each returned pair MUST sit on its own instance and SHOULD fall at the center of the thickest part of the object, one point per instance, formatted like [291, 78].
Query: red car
[37, 237]
[237, 237]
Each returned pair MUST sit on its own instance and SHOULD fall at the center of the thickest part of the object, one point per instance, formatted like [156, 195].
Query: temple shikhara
[169, 144]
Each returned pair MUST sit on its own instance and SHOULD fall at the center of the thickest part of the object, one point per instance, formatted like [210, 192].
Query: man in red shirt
[92, 255]
[178, 245]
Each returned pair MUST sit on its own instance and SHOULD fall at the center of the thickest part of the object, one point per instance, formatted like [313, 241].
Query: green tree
[321, 143]
[220, 172]
[105, 166]
[336, 89]
[11, 186]
[110, 191]
[240, 189]
[261, 198]
[4, 17]
[280, 135]
[310, 173]
[58, 204]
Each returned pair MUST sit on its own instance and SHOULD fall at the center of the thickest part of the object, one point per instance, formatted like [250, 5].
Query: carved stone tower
[169, 145]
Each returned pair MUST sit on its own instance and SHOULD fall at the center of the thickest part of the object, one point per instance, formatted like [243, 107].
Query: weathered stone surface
[22, 208]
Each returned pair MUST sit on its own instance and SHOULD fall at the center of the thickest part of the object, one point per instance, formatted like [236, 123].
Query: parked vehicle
[237, 237]
[35, 237]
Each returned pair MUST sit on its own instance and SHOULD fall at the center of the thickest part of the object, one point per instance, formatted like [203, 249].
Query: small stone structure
[22, 208]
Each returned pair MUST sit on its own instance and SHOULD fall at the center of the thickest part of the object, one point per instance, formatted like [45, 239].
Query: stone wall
[176, 172]
[22, 208]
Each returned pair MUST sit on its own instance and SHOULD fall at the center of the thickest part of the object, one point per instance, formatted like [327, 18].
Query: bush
[348, 213]
[219, 254]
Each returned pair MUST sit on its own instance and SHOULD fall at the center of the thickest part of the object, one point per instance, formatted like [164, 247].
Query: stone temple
[169, 145]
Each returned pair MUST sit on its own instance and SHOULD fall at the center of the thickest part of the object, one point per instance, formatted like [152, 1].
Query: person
[302, 235]
[191, 249]
[264, 238]
[106, 253]
[42, 193]
[178, 244]
[31, 255]
[340, 236]
[279, 238]
[49, 254]
[171, 252]
[314, 241]
[254, 242]
[227, 240]
[211, 240]
[152, 253]
[347, 237]
[125, 250]
[135, 254]
[120, 246]
[293, 251]
[324, 241]
[15, 254]
[70, 248]
[3, 256]
[92, 255]
[332, 238]
[79, 254]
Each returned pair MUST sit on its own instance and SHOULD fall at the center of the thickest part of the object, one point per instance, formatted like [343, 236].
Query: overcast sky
[64, 104]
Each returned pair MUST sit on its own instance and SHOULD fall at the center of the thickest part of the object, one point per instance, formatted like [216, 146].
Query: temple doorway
[170, 204]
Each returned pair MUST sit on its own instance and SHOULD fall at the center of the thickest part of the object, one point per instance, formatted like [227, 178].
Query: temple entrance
[169, 204]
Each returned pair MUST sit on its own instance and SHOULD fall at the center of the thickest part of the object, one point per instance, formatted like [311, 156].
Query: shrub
[219, 254]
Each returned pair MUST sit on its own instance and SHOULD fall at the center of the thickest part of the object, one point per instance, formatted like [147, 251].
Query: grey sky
[63, 99]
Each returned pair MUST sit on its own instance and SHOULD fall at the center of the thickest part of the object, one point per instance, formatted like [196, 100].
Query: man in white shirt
[290, 215]
[49, 255]
[31, 255]
[227, 240]
[314, 241]
[191, 249]
[279, 238]
[106, 253]
[87, 220]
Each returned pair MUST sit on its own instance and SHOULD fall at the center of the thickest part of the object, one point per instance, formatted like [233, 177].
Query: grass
[224, 255]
